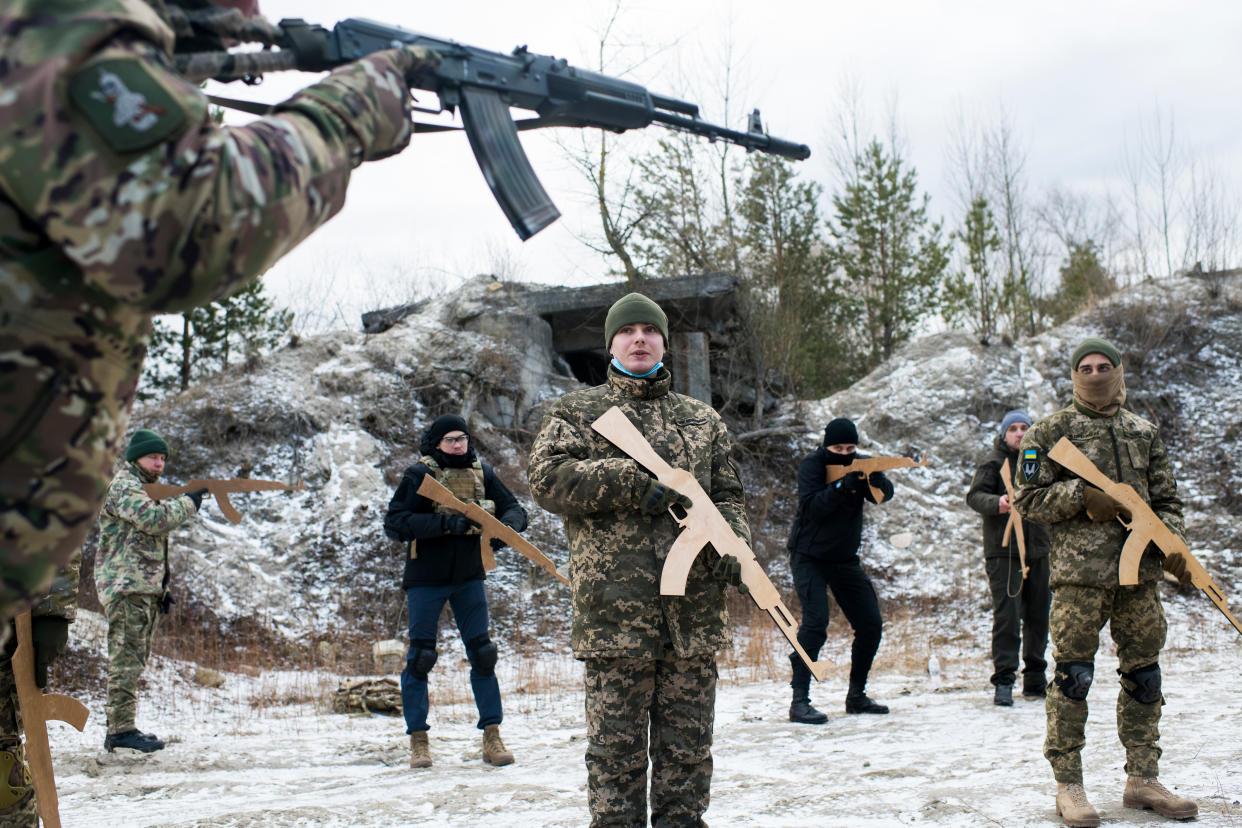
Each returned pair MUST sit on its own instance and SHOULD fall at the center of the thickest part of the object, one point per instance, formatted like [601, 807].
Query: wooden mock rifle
[1014, 525]
[220, 489]
[38, 708]
[489, 527]
[702, 524]
[1144, 525]
[867, 465]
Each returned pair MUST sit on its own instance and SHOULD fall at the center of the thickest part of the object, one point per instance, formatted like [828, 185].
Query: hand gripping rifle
[1144, 525]
[484, 85]
[1014, 525]
[702, 524]
[38, 708]
[220, 489]
[867, 465]
[489, 527]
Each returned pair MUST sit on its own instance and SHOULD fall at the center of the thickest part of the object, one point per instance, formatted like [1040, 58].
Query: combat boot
[1073, 807]
[801, 711]
[1003, 696]
[133, 739]
[1147, 792]
[420, 751]
[856, 701]
[494, 750]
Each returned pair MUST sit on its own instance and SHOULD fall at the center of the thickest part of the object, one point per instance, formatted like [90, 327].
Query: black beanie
[840, 431]
[144, 442]
[442, 425]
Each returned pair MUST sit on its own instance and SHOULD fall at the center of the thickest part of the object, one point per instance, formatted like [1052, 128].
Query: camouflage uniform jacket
[133, 538]
[616, 552]
[984, 497]
[1126, 448]
[121, 198]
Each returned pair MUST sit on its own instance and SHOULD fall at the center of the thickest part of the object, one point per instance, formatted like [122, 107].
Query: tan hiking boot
[1147, 792]
[494, 750]
[420, 751]
[1073, 807]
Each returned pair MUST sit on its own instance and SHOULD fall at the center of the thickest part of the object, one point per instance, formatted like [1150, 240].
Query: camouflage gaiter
[1100, 393]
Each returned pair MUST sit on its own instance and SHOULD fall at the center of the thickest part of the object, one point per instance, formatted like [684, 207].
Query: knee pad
[1143, 684]
[1074, 679]
[13, 795]
[421, 661]
[482, 653]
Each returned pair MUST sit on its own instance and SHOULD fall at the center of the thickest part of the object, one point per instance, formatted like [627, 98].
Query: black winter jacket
[829, 522]
[442, 560]
[984, 497]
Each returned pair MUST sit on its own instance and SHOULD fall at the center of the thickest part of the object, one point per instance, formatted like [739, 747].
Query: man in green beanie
[131, 576]
[1086, 543]
[650, 659]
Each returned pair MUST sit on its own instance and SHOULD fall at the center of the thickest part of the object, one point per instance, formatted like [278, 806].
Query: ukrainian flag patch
[1030, 463]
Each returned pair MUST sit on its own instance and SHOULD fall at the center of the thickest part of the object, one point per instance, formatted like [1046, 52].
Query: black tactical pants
[1019, 619]
[854, 594]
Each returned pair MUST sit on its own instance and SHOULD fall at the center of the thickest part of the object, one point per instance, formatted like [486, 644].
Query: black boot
[801, 711]
[856, 701]
[1003, 696]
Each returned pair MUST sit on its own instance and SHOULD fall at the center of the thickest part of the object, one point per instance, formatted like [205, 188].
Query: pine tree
[973, 295]
[1084, 281]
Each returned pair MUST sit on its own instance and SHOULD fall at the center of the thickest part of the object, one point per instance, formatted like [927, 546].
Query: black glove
[658, 497]
[876, 479]
[459, 525]
[497, 544]
[49, 634]
[729, 569]
[197, 497]
[852, 482]
[166, 603]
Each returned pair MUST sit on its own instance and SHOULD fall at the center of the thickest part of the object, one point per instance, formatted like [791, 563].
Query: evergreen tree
[1084, 281]
[889, 251]
[972, 296]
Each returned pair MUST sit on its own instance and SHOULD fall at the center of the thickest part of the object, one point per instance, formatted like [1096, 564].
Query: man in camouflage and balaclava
[650, 658]
[1086, 543]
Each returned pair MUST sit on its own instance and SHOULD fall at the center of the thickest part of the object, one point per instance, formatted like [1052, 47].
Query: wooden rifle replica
[702, 524]
[1144, 525]
[1014, 525]
[867, 465]
[37, 709]
[489, 527]
[220, 489]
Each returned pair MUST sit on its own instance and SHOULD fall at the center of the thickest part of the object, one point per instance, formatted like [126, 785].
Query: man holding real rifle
[1019, 600]
[1087, 540]
[445, 564]
[650, 659]
[823, 549]
[131, 576]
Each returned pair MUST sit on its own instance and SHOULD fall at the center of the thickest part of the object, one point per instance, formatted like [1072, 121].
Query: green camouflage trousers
[1137, 624]
[22, 813]
[675, 700]
[131, 625]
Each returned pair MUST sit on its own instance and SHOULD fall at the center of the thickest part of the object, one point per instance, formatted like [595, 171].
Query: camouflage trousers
[17, 806]
[1137, 624]
[131, 625]
[675, 701]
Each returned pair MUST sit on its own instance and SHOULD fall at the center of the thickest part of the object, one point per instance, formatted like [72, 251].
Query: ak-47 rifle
[1014, 525]
[489, 527]
[702, 524]
[482, 83]
[38, 708]
[1144, 525]
[220, 489]
[867, 465]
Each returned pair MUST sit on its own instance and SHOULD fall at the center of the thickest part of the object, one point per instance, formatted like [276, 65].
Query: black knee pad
[1143, 684]
[1074, 679]
[422, 659]
[482, 654]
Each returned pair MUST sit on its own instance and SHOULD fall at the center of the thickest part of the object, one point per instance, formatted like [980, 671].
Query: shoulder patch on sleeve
[126, 103]
[1030, 463]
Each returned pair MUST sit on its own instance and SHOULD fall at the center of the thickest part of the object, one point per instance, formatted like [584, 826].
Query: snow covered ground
[266, 751]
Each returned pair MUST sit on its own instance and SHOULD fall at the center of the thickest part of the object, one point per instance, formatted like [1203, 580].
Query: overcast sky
[1077, 81]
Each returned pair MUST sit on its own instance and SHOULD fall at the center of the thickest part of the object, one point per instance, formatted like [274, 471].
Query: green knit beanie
[1091, 345]
[631, 309]
[144, 442]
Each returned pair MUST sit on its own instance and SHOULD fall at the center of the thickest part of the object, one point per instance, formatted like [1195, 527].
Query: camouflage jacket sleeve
[1051, 495]
[129, 502]
[1162, 488]
[62, 599]
[116, 160]
[565, 479]
[726, 489]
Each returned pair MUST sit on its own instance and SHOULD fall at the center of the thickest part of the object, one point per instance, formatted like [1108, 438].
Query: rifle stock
[489, 527]
[38, 708]
[1014, 525]
[1144, 525]
[702, 524]
[867, 465]
[220, 490]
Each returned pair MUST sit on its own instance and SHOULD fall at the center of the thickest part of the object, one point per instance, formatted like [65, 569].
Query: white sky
[1076, 79]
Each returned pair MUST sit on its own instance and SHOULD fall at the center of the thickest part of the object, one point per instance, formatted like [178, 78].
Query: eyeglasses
[460, 440]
